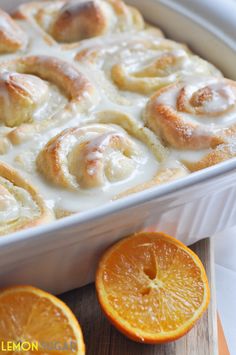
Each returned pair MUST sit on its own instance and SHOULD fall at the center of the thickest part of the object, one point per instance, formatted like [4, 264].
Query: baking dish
[63, 255]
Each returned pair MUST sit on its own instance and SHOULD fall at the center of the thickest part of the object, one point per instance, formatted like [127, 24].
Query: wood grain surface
[103, 339]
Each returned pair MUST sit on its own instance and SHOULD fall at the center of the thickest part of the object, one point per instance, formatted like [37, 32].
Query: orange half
[152, 287]
[38, 320]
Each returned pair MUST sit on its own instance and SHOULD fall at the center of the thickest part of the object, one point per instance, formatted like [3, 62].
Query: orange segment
[152, 287]
[28, 314]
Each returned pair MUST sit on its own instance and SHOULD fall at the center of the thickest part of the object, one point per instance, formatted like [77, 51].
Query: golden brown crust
[72, 21]
[221, 153]
[179, 121]
[61, 73]
[49, 162]
[43, 216]
[12, 37]
[175, 132]
[78, 22]
[20, 95]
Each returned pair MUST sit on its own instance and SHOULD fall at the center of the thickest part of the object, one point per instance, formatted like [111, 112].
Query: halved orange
[152, 287]
[38, 321]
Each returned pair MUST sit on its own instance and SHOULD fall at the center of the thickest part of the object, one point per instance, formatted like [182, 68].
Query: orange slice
[152, 287]
[39, 322]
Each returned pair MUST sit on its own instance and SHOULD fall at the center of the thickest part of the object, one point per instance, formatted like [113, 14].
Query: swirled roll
[20, 204]
[91, 156]
[107, 158]
[145, 63]
[194, 115]
[37, 92]
[75, 20]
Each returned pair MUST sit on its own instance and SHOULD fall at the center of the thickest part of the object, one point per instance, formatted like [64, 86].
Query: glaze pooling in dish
[94, 111]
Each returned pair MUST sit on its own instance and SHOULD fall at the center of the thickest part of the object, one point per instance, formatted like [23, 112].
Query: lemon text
[18, 346]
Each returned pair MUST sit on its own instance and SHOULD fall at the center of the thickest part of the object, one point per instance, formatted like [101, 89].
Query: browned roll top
[12, 37]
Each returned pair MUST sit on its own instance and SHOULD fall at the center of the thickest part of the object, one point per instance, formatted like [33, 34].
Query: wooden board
[103, 339]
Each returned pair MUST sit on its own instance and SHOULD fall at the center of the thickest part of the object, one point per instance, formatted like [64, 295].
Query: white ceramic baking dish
[63, 255]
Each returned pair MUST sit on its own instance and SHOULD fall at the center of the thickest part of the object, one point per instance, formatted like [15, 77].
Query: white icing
[109, 163]
[219, 111]
[5, 25]
[45, 97]
[15, 203]
[146, 166]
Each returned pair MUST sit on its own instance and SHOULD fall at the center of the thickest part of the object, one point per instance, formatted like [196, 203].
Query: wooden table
[103, 339]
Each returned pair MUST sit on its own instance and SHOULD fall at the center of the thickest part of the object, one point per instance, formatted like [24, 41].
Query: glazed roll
[12, 37]
[69, 21]
[91, 156]
[144, 63]
[106, 158]
[194, 115]
[38, 92]
[20, 204]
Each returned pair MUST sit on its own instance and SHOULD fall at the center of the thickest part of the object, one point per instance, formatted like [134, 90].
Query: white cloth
[225, 258]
